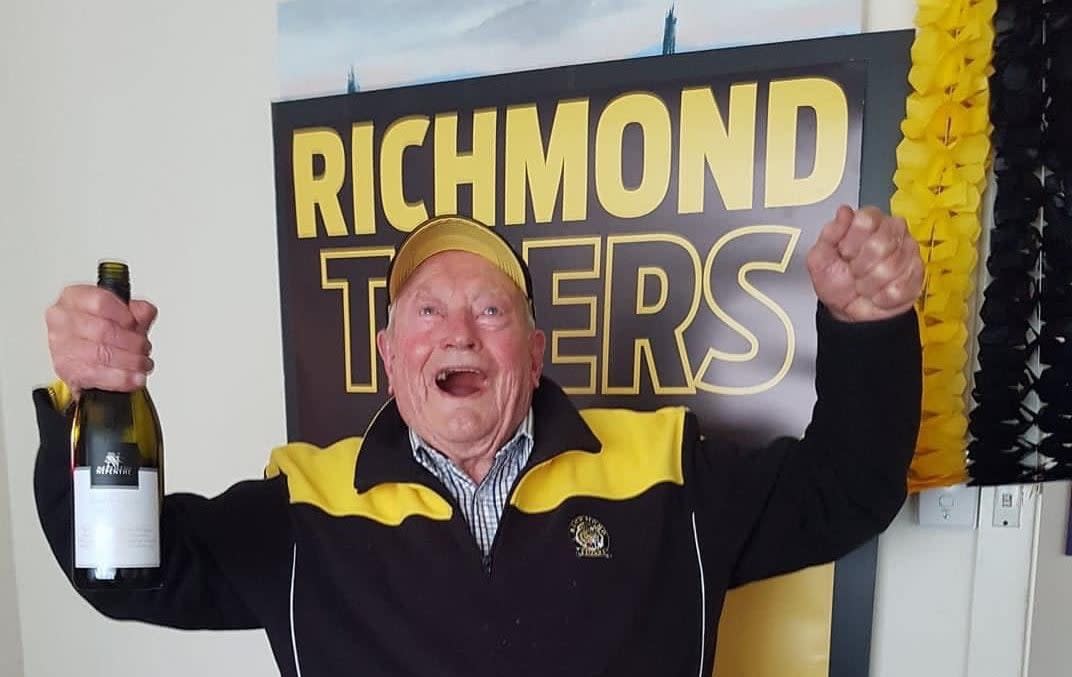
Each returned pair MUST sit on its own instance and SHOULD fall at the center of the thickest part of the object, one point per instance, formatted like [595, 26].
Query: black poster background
[872, 71]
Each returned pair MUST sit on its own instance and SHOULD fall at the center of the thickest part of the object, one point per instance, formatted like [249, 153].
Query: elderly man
[484, 526]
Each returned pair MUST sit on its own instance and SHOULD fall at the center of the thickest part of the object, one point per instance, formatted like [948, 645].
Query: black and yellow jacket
[613, 557]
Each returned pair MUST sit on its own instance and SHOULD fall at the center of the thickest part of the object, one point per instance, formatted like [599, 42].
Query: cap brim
[453, 233]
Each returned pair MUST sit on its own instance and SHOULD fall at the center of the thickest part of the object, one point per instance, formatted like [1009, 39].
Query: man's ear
[383, 347]
[537, 344]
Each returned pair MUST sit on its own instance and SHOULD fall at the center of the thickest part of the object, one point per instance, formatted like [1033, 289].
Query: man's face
[461, 356]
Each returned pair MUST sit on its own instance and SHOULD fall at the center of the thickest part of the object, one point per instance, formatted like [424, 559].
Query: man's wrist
[835, 318]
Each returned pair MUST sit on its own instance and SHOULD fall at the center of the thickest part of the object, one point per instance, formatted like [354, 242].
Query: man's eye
[492, 311]
[426, 311]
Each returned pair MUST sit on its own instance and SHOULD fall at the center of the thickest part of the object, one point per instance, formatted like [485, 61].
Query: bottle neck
[115, 277]
[118, 288]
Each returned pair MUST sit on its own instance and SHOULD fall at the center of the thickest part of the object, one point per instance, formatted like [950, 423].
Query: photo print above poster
[331, 47]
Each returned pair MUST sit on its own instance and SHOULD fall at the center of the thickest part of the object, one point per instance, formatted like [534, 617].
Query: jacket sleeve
[802, 502]
[223, 557]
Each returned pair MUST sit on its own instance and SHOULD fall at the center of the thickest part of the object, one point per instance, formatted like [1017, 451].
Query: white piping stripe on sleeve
[703, 598]
[293, 640]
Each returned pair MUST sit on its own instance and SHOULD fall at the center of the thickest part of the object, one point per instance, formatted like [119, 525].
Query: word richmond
[626, 157]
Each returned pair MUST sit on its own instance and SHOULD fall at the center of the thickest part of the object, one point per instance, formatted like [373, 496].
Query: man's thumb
[145, 314]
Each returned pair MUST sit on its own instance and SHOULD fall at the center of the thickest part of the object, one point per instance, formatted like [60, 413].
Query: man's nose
[460, 332]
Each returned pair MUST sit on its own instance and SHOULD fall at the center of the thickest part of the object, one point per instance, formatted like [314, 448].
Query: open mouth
[460, 381]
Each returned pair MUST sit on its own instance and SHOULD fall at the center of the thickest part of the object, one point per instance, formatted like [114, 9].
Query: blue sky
[401, 42]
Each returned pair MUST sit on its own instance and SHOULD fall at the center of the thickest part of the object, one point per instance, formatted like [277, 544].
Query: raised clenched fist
[866, 266]
[97, 341]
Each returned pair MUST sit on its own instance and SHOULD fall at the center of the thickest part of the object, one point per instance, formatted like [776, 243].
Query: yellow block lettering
[311, 191]
[400, 135]
[827, 99]
[727, 148]
[564, 166]
[477, 168]
[361, 170]
[650, 113]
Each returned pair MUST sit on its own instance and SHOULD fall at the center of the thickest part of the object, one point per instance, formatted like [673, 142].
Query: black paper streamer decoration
[1021, 424]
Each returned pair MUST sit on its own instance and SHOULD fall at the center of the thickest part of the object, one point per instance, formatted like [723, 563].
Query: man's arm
[222, 557]
[802, 502]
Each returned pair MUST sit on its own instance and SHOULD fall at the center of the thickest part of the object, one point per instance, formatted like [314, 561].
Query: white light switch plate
[956, 506]
[1008, 504]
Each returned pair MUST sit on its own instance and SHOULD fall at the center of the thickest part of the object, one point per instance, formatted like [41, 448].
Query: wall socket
[1008, 505]
[956, 506]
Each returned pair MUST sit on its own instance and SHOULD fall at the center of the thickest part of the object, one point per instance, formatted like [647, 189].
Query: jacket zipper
[503, 518]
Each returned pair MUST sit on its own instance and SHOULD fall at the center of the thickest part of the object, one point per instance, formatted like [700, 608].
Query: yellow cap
[455, 233]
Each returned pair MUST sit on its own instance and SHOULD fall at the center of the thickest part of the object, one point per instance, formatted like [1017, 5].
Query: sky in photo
[405, 42]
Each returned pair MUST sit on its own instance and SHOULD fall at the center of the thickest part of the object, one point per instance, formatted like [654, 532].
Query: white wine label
[113, 464]
[116, 526]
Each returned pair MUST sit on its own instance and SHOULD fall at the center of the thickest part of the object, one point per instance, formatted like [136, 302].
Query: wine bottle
[118, 468]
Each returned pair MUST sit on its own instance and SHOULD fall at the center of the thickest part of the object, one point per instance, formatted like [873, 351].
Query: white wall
[141, 129]
[10, 645]
[958, 602]
[1050, 655]
[954, 601]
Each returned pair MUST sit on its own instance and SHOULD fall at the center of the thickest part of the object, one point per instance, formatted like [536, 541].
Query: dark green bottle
[118, 468]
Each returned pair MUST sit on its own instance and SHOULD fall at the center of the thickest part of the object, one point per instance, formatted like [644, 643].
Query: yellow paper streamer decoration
[941, 174]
